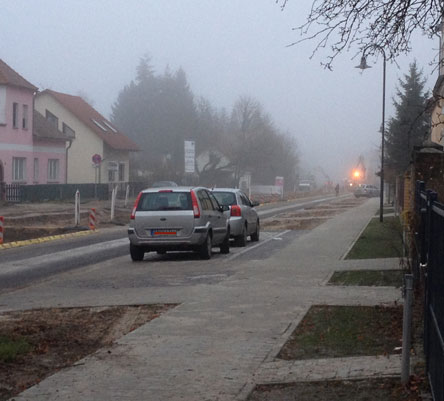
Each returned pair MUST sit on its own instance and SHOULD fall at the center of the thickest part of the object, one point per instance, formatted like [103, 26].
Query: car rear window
[225, 198]
[157, 201]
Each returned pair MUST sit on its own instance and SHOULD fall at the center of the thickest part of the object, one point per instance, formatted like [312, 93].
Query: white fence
[266, 190]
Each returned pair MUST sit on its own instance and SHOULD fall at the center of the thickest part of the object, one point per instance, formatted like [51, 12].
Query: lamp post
[363, 66]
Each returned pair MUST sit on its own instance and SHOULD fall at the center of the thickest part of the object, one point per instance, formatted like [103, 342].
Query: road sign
[189, 156]
[97, 159]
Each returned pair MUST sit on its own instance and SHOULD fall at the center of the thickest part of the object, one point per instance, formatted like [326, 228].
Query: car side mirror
[224, 208]
[254, 204]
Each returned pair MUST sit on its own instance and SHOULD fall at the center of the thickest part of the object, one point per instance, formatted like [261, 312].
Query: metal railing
[430, 265]
[10, 192]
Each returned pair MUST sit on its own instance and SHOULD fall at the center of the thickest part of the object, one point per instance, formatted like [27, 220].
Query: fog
[227, 49]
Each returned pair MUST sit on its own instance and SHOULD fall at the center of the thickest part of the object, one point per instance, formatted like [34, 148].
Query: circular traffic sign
[96, 159]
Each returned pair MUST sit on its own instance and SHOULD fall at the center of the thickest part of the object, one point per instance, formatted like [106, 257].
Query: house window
[18, 169]
[36, 169]
[113, 168]
[25, 117]
[53, 169]
[3, 120]
[122, 172]
[52, 118]
[15, 119]
[67, 130]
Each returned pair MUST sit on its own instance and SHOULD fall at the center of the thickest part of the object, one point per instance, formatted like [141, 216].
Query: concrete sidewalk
[223, 338]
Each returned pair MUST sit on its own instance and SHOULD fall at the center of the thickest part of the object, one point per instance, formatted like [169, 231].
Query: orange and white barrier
[92, 219]
[2, 221]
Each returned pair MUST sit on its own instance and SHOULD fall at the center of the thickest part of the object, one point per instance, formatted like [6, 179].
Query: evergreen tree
[158, 112]
[410, 125]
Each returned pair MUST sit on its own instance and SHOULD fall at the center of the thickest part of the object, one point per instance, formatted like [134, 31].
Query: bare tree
[368, 24]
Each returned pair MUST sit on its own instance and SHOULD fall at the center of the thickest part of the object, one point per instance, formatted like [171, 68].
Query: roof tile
[9, 77]
[94, 120]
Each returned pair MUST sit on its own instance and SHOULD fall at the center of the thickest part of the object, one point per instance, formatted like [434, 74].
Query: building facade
[100, 152]
[29, 154]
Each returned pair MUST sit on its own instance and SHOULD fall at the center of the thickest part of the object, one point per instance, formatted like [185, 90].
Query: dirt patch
[58, 337]
[308, 218]
[388, 389]
[30, 221]
[313, 213]
[288, 223]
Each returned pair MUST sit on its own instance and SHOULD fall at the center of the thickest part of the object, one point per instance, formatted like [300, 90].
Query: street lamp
[363, 66]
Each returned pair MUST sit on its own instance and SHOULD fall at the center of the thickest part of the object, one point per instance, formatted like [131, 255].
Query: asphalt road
[22, 266]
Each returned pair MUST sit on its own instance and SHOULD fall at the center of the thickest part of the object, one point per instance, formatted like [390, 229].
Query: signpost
[97, 160]
[189, 156]
[279, 182]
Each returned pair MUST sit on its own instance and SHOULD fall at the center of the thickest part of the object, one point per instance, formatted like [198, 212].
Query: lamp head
[363, 65]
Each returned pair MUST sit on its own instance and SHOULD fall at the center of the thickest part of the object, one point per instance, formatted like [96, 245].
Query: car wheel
[225, 246]
[255, 235]
[205, 248]
[241, 240]
[137, 253]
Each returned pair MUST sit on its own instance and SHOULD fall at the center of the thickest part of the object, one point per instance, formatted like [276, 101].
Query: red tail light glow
[133, 212]
[195, 204]
[236, 211]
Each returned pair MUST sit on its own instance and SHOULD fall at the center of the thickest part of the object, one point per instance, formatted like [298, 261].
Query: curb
[17, 244]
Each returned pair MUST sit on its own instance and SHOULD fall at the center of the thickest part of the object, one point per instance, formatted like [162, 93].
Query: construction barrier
[2, 220]
[92, 219]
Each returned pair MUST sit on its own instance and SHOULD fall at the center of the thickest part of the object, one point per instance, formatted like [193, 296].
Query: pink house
[32, 150]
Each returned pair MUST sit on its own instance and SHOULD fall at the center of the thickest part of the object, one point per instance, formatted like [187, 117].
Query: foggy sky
[227, 48]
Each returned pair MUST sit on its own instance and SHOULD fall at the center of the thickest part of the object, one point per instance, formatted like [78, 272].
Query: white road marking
[260, 243]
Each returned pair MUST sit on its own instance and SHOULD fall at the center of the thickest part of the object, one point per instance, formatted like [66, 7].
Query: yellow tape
[16, 244]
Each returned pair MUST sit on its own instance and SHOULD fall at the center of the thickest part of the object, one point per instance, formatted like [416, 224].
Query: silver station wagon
[366, 190]
[244, 220]
[178, 218]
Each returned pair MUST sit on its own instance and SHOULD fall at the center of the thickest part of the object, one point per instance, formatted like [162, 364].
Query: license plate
[159, 232]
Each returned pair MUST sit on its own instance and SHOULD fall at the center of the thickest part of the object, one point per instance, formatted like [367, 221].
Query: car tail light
[133, 212]
[195, 204]
[236, 211]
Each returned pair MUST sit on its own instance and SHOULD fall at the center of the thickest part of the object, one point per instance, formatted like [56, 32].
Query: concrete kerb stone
[16, 244]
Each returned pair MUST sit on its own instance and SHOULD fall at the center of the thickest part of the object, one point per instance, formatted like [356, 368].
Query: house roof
[44, 129]
[9, 77]
[93, 120]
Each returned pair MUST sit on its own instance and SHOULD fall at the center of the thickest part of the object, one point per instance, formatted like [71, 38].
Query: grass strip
[379, 240]
[11, 348]
[390, 278]
[328, 331]
[386, 210]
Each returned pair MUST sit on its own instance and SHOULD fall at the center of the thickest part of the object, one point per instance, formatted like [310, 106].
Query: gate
[430, 236]
[12, 192]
